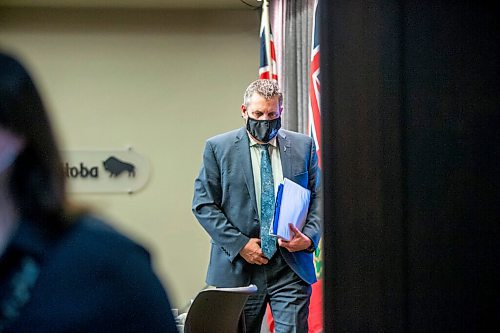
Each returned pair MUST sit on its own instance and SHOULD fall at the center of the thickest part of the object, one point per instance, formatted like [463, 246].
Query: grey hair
[265, 88]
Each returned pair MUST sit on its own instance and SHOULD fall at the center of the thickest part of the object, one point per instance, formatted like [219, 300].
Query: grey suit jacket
[224, 203]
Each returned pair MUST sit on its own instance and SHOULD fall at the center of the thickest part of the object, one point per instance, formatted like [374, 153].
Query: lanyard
[20, 288]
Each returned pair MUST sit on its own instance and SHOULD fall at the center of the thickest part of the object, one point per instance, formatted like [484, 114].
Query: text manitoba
[81, 171]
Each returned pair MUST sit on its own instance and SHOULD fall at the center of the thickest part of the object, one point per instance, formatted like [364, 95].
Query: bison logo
[115, 167]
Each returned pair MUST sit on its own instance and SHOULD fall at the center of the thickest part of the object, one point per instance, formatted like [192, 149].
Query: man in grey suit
[232, 202]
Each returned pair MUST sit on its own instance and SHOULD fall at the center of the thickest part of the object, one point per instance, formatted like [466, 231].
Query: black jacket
[89, 279]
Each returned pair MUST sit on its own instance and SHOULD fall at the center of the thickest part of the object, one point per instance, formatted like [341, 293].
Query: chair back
[218, 310]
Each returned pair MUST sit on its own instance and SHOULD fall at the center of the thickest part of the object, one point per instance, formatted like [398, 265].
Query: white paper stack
[292, 205]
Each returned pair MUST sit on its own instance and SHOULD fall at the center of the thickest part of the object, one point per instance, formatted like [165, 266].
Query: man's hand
[252, 252]
[299, 241]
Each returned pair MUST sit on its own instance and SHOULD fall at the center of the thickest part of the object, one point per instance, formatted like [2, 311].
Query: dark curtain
[410, 113]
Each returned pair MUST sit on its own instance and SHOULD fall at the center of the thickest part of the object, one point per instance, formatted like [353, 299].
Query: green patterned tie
[268, 243]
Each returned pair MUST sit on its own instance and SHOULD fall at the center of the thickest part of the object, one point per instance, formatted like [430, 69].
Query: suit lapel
[242, 145]
[285, 154]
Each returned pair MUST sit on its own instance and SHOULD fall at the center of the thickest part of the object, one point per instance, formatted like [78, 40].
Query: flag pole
[265, 14]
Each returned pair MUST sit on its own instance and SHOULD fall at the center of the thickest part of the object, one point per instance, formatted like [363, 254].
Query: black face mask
[263, 130]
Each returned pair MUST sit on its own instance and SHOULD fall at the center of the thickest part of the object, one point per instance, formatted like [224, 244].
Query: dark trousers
[287, 294]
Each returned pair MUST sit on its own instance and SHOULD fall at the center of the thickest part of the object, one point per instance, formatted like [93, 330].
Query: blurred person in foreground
[234, 198]
[61, 270]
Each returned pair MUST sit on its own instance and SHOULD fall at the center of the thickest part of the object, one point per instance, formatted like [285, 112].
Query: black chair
[218, 310]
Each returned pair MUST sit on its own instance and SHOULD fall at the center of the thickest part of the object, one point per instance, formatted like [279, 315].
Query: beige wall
[159, 81]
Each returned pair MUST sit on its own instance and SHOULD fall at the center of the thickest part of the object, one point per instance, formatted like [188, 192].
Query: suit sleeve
[207, 206]
[312, 227]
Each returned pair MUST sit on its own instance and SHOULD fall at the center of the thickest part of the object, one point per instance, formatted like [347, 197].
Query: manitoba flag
[267, 69]
[316, 305]
[314, 87]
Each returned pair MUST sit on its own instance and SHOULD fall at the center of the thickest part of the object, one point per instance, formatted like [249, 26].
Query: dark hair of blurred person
[61, 269]
[36, 182]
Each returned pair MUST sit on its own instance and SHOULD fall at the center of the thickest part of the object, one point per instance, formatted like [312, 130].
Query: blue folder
[277, 207]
